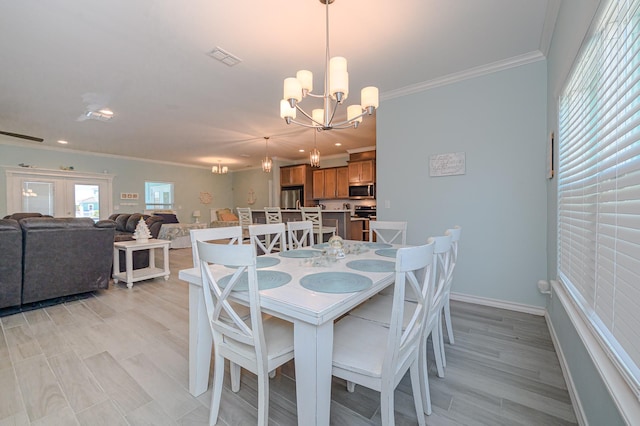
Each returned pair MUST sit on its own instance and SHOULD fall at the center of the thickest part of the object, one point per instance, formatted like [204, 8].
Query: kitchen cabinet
[330, 183]
[362, 172]
[293, 175]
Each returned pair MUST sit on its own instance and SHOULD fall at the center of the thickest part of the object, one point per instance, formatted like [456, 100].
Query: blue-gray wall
[130, 176]
[499, 122]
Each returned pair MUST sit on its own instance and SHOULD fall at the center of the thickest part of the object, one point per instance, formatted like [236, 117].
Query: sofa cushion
[227, 216]
[121, 222]
[132, 222]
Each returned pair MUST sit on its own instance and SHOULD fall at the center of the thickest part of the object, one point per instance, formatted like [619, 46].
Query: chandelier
[336, 91]
[266, 162]
[314, 155]
[219, 169]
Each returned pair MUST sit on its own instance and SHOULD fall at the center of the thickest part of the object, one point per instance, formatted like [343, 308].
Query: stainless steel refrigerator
[291, 198]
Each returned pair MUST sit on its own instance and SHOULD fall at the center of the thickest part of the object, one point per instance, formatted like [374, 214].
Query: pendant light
[266, 162]
[314, 155]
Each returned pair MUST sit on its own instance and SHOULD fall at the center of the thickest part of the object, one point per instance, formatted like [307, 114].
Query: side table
[131, 275]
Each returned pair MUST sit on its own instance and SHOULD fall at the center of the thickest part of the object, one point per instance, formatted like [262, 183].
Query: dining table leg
[200, 342]
[313, 348]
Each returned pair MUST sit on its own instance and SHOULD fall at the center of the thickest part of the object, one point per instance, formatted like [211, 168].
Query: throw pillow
[228, 217]
[222, 211]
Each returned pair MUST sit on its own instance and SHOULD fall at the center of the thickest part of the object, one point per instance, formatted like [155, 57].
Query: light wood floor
[120, 358]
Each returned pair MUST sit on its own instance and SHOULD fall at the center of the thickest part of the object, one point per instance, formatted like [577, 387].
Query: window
[599, 184]
[158, 195]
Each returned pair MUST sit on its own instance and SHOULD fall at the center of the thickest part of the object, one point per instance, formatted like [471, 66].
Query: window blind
[599, 184]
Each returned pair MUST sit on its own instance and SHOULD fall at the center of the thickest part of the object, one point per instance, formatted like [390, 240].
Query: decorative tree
[142, 234]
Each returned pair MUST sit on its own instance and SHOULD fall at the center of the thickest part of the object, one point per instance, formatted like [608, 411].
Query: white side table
[131, 275]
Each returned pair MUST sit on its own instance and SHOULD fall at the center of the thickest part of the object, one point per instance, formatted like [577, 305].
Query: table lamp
[196, 214]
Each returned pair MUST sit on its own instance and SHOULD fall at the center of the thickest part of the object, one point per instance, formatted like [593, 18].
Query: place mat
[321, 246]
[261, 262]
[372, 265]
[266, 280]
[387, 252]
[300, 253]
[335, 282]
[378, 245]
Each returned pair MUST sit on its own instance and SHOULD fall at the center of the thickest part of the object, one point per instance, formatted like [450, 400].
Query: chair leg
[387, 404]
[447, 320]
[272, 374]
[235, 376]
[263, 400]
[437, 351]
[216, 391]
[351, 386]
[424, 379]
[417, 394]
[441, 334]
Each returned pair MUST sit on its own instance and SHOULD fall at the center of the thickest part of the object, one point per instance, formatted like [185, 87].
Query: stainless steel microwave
[362, 191]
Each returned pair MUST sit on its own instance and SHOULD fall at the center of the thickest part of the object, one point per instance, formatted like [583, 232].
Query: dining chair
[378, 310]
[455, 238]
[314, 215]
[388, 232]
[245, 218]
[377, 356]
[268, 237]
[228, 234]
[243, 343]
[273, 215]
[300, 234]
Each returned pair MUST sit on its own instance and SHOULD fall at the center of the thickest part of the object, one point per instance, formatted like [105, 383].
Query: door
[59, 194]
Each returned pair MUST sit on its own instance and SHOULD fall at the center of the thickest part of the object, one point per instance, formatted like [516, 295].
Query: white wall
[499, 121]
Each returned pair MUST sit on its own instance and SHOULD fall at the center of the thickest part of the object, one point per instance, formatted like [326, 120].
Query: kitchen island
[341, 219]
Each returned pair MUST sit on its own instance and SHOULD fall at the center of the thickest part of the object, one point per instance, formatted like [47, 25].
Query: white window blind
[599, 184]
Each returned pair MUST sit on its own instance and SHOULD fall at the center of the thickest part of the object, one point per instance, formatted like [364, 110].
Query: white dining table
[311, 312]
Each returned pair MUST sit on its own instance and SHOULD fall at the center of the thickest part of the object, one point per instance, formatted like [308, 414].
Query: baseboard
[500, 304]
[566, 373]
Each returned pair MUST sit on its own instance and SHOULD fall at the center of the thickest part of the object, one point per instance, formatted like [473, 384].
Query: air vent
[225, 57]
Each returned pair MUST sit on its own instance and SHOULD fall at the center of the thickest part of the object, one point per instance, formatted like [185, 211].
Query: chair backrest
[441, 265]
[413, 270]
[313, 215]
[274, 236]
[300, 234]
[388, 232]
[232, 233]
[245, 217]
[455, 238]
[273, 214]
[226, 325]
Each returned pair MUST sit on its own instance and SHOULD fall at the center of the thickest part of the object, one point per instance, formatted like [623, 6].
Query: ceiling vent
[225, 57]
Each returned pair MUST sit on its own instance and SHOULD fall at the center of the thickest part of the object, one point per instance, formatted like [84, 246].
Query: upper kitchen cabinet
[362, 171]
[294, 175]
[331, 183]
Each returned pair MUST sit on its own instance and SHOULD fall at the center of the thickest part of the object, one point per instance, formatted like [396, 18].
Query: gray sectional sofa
[45, 258]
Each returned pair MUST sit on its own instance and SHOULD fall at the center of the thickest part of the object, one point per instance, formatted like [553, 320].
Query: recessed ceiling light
[63, 142]
[301, 150]
[338, 144]
[106, 111]
[102, 115]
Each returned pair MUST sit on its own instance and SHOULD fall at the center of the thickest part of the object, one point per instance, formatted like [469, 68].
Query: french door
[59, 193]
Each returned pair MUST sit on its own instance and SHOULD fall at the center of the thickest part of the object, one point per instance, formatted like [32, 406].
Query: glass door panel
[38, 197]
[87, 201]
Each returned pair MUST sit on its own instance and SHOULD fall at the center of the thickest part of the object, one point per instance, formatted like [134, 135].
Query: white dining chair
[273, 215]
[268, 238]
[388, 231]
[455, 233]
[314, 214]
[300, 234]
[378, 309]
[257, 345]
[377, 356]
[245, 218]
[228, 235]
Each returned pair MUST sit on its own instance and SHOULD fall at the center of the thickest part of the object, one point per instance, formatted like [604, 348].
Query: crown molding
[513, 62]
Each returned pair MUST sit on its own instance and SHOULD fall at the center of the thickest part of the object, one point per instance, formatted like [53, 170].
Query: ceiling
[147, 61]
